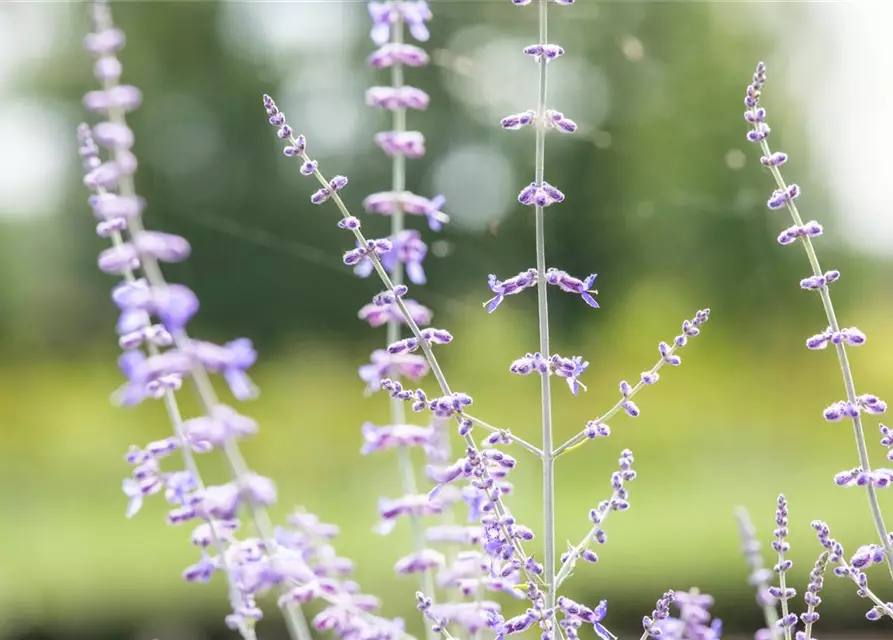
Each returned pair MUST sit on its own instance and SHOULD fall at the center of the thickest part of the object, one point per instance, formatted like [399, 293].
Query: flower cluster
[782, 592]
[694, 621]
[529, 278]
[568, 368]
[299, 562]
[651, 624]
[864, 557]
[159, 354]
[759, 575]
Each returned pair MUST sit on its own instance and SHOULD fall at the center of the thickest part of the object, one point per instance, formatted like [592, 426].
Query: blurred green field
[738, 422]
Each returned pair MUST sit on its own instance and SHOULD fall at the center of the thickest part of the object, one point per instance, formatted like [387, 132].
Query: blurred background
[665, 200]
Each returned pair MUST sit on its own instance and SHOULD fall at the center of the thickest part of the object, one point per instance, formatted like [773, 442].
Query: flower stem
[543, 316]
[398, 410]
[845, 370]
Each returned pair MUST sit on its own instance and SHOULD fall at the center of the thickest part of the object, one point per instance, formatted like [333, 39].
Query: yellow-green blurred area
[665, 200]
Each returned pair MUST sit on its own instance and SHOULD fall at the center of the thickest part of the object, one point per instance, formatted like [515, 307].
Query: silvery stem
[543, 314]
[398, 411]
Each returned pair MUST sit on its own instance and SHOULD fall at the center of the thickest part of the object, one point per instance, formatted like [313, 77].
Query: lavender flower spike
[784, 197]
[617, 502]
[404, 258]
[759, 575]
[782, 592]
[661, 612]
[171, 353]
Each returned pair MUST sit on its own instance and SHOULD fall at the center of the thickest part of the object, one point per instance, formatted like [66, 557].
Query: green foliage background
[653, 205]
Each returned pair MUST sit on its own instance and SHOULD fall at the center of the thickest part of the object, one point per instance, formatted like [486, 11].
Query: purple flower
[811, 229]
[407, 248]
[134, 492]
[518, 120]
[866, 402]
[548, 52]
[424, 560]
[887, 439]
[231, 360]
[120, 97]
[774, 159]
[472, 617]
[390, 202]
[511, 286]
[566, 282]
[401, 143]
[851, 336]
[661, 612]
[529, 363]
[378, 315]
[385, 14]
[598, 614]
[394, 53]
[542, 195]
[396, 98]
[557, 120]
[393, 436]
[335, 185]
[432, 336]
[867, 555]
[781, 197]
[570, 369]
[383, 365]
[166, 369]
[817, 282]
[224, 423]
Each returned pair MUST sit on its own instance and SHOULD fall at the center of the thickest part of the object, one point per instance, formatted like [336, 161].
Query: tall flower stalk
[784, 197]
[298, 561]
[759, 575]
[120, 209]
[390, 21]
